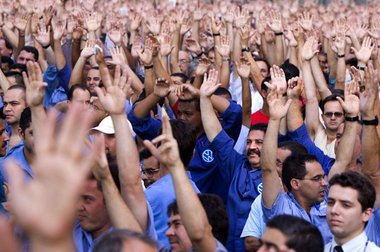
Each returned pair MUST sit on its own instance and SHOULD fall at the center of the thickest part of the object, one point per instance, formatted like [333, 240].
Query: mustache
[254, 151]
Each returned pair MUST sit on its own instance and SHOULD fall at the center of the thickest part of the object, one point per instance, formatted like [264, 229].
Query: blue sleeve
[146, 128]
[232, 120]
[151, 231]
[301, 136]
[50, 77]
[283, 138]
[276, 209]
[64, 76]
[227, 159]
[373, 227]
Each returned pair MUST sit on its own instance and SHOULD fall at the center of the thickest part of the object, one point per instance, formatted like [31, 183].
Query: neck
[331, 135]
[304, 203]
[29, 156]
[342, 240]
[101, 231]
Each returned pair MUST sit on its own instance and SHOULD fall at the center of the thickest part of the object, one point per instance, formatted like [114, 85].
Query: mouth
[335, 222]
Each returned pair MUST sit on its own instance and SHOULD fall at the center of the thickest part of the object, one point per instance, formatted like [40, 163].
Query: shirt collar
[356, 244]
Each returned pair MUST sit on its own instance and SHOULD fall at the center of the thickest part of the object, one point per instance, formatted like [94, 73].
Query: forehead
[27, 55]
[81, 94]
[176, 79]
[13, 94]
[314, 168]
[262, 65]
[183, 55]
[274, 236]
[333, 106]
[338, 192]
[174, 217]
[90, 188]
[93, 73]
[150, 162]
[282, 154]
[186, 106]
[256, 135]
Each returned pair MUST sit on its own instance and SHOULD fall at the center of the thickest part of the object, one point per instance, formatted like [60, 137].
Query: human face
[282, 154]
[313, 185]
[323, 63]
[3, 139]
[4, 51]
[211, 57]
[24, 57]
[92, 212]
[177, 235]
[255, 141]
[82, 97]
[263, 68]
[110, 144]
[110, 66]
[93, 80]
[183, 61]
[273, 240]
[330, 117]
[188, 112]
[150, 171]
[28, 138]
[344, 213]
[14, 104]
[176, 80]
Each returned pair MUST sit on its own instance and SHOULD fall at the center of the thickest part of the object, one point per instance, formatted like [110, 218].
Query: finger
[26, 80]
[270, 86]
[106, 78]
[152, 148]
[43, 143]
[166, 124]
[116, 76]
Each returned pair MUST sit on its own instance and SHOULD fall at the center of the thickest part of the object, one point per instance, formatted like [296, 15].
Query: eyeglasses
[317, 178]
[183, 61]
[149, 172]
[336, 114]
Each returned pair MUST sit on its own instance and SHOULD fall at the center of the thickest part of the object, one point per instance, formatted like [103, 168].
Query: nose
[5, 136]
[334, 209]
[144, 177]
[170, 231]
[324, 183]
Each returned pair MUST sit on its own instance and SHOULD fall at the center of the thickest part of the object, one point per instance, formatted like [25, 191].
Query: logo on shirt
[207, 156]
[260, 188]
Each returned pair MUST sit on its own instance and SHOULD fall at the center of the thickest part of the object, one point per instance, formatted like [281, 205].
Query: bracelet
[361, 68]
[278, 33]
[46, 47]
[21, 35]
[215, 34]
[84, 39]
[374, 122]
[225, 59]
[341, 55]
[246, 49]
[148, 67]
[352, 119]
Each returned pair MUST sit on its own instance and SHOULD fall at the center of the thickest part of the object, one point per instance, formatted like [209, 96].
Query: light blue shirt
[286, 204]
[160, 195]
[373, 227]
[255, 224]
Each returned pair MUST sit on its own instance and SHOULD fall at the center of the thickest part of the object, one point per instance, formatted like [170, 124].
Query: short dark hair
[7, 44]
[145, 153]
[25, 119]
[332, 97]
[293, 147]
[31, 49]
[263, 86]
[216, 214]
[6, 59]
[186, 138]
[181, 75]
[196, 102]
[259, 126]
[21, 67]
[294, 166]
[358, 182]
[290, 70]
[222, 91]
[263, 60]
[301, 235]
[76, 86]
[20, 87]
[17, 75]
[113, 241]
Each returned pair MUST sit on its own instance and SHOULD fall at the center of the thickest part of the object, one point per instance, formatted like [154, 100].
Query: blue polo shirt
[16, 154]
[85, 243]
[53, 77]
[242, 183]
[160, 195]
[286, 204]
[373, 227]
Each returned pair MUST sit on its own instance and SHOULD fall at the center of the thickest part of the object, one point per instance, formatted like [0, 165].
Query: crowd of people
[189, 126]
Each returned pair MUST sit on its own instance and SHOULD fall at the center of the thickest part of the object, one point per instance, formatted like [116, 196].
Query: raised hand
[161, 88]
[203, 66]
[93, 22]
[192, 46]
[339, 44]
[35, 87]
[365, 50]
[58, 29]
[99, 54]
[59, 163]
[275, 22]
[88, 49]
[241, 17]
[278, 78]
[115, 35]
[165, 45]
[153, 25]
[225, 47]
[135, 21]
[244, 35]
[43, 35]
[113, 101]
[117, 55]
[21, 23]
[277, 107]
[310, 48]
[146, 54]
[209, 84]
[243, 67]
[306, 21]
[295, 87]
[197, 15]
[368, 95]
[351, 99]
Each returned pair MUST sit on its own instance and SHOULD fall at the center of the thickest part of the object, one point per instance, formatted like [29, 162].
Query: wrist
[361, 64]
[351, 117]
[368, 116]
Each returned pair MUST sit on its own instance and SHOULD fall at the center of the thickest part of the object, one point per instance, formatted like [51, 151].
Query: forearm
[255, 71]
[225, 74]
[10, 36]
[49, 56]
[192, 213]
[129, 57]
[293, 56]
[198, 81]
[119, 213]
[279, 49]
[218, 58]
[237, 47]
[137, 85]
[220, 103]
[195, 31]
[332, 61]
[246, 102]
[77, 74]
[174, 67]
[211, 124]
[142, 109]
[21, 43]
[319, 78]
[159, 70]
[164, 63]
[38, 119]
[340, 73]
[149, 81]
[75, 51]
[270, 56]
[294, 118]
[59, 57]
[4, 83]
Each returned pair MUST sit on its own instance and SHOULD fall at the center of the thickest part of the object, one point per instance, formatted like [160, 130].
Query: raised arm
[276, 25]
[370, 138]
[193, 215]
[210, 121]
[126, 152]
[312, 107]
[243, 68]
[224, 51]
[339, 48]
[77, 74]
[278, 108]
[43, 38]
[58, 30]
[347, 142]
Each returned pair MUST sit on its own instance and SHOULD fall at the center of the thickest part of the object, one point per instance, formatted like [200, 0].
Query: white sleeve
[255, 224]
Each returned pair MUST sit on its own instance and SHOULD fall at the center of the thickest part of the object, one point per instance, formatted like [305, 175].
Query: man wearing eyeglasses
[150, 168]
